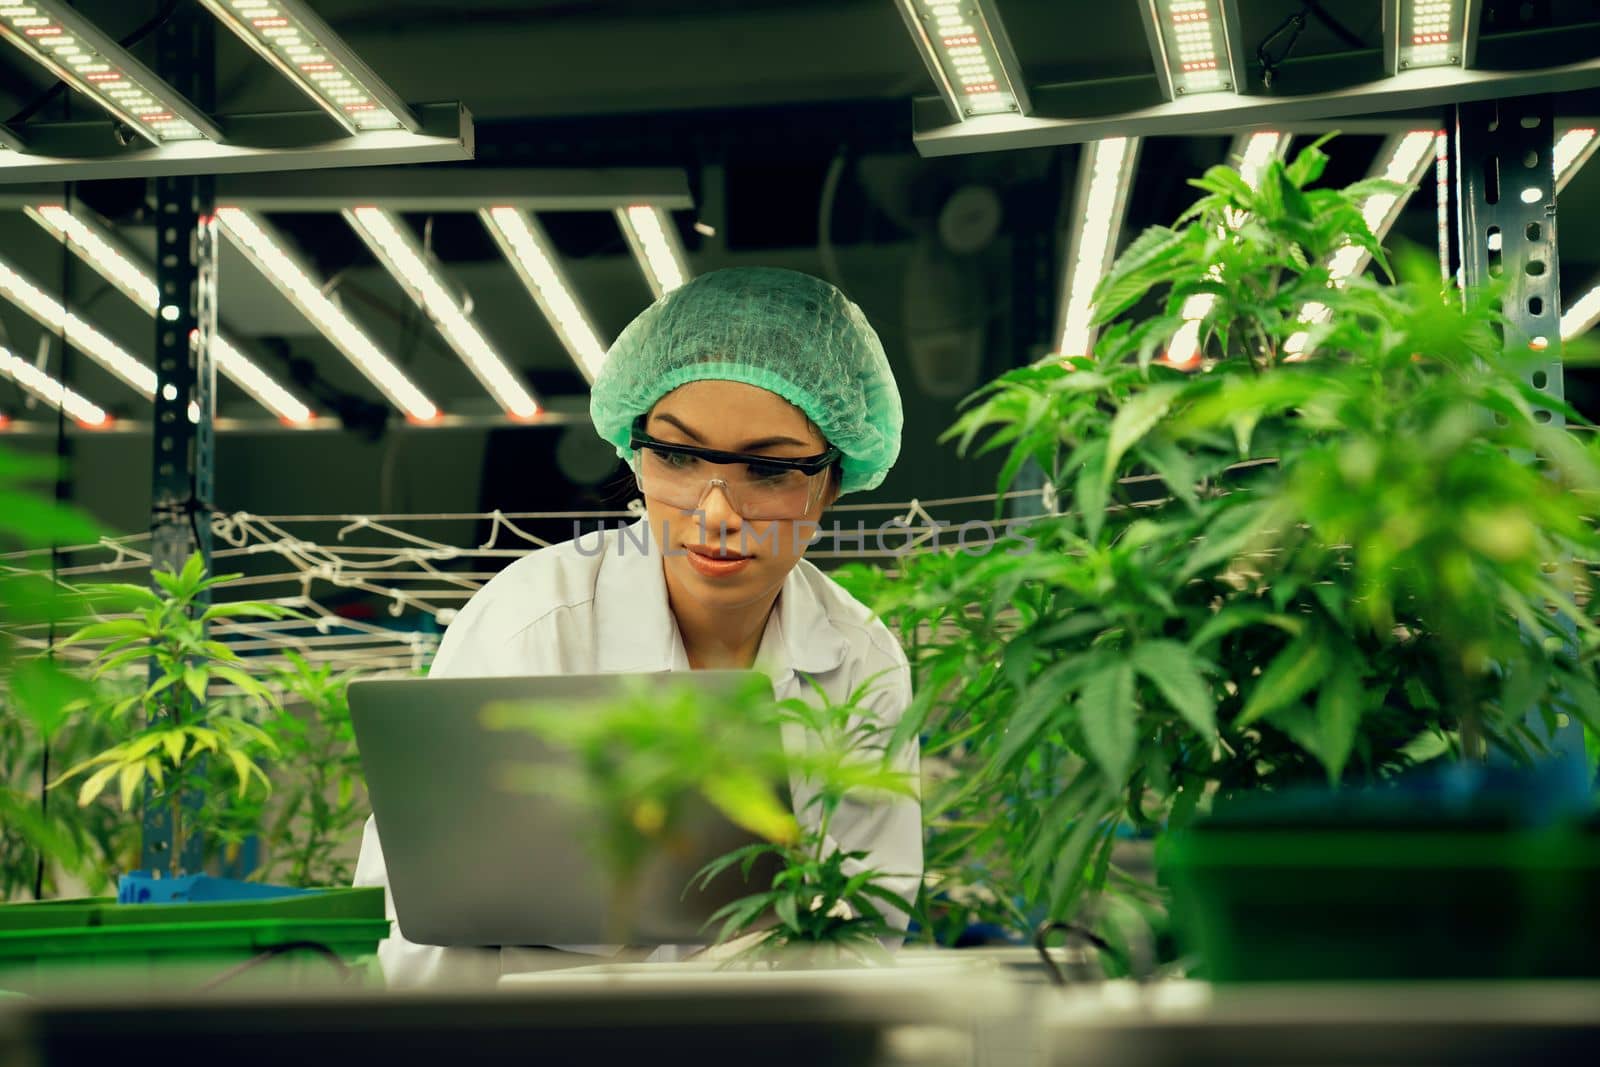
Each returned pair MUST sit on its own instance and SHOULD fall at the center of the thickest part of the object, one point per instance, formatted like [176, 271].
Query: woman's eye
[762, 472]
[676, 460]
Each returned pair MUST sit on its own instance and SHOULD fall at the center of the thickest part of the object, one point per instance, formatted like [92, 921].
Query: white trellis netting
[375, 592]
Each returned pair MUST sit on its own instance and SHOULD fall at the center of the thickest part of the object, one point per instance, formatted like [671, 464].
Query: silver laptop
[472, 862]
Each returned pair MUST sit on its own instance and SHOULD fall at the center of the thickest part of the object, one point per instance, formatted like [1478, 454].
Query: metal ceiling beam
[1213, 112]
[320, 424]
[89, 151]
[459, 189]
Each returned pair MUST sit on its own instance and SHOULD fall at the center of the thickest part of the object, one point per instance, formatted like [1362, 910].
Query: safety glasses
[759, 488]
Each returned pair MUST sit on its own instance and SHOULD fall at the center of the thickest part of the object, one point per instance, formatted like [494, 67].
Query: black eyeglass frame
[807, 465]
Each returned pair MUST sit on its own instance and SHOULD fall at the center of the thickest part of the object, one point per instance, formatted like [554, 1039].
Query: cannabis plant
[644, 762]
[1342, 546]
[38, 841]
[320, 799]
[172, 730]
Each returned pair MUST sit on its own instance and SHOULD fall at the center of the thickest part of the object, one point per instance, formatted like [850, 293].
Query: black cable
[1340, 30]
[346, 975]
[1294, 25]
[55, 547]
[139, 33]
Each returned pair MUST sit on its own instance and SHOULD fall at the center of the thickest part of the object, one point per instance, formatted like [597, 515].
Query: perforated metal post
[1506, 214]
[185, 404]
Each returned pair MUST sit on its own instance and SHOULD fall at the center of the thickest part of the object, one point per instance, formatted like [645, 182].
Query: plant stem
[175, 813]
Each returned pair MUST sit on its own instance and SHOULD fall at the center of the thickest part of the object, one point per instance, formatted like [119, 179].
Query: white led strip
[524, 243]
[655, 245]
[1107, 161]
[94, 247]
[290, 36]
[1431, 33]
[1582, 316]
[1573, 149]
[50, 391]
[252, 237]
[962, 46]
[1262, 148]
[397, 250]
[79, 334]
[59, 38]
[258, 383]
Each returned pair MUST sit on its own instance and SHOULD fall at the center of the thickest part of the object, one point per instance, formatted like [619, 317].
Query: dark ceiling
[758, 102]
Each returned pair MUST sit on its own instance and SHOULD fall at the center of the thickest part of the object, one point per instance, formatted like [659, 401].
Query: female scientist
[745, 402]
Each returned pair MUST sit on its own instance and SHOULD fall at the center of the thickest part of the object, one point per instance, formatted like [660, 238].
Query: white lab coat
[562, 610]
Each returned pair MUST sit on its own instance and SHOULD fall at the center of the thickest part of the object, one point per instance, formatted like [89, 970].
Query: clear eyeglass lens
[755, 492]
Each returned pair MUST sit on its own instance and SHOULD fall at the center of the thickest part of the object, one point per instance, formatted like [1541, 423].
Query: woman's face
[711, 552]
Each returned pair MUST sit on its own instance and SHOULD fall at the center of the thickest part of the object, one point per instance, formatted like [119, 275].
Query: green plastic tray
[96, 942]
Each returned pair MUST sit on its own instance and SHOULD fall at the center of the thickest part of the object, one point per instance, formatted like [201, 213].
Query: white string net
[373, 593]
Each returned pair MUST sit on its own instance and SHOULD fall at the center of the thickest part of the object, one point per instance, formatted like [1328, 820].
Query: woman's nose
[718, 511]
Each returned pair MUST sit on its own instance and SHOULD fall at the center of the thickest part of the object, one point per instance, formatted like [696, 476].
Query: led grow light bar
[1573, 149]
[290, 36]
[655, 244]
[270, 254]
[44, 308]
[1192, 43]
[1105, 173]
[967, 52]
[392, 242]
[59, 38]
[1254, 153]
[99, 248]
[527, 247]
[1429, 33]
[50, 391]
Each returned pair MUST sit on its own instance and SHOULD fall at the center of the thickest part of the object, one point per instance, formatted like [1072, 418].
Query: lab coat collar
[637, 632]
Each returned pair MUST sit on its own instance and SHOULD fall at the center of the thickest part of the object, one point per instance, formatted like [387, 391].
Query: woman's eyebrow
[664, 417]
[749, 446]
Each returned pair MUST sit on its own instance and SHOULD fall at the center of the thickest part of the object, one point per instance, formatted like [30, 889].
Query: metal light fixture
[655, 244]
[392, 243]
[525, 244]
[1105, 173]
[93, 243]
[1194, 44]
[58, 37]
[1429, 33]
[967, 52]
[256, 238]
[295, 40]
[50, 391]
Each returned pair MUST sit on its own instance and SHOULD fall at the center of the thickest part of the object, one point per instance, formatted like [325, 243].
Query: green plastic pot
[330, 937]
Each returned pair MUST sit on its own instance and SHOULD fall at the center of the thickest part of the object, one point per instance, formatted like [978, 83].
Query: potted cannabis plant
[1341, 547]
[172, 738]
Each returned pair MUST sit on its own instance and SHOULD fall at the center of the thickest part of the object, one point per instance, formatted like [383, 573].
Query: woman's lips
[716, 562]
